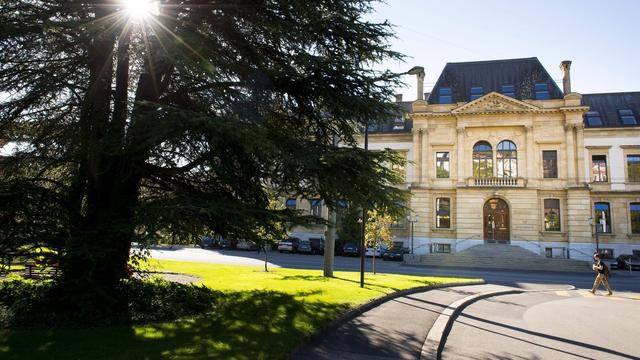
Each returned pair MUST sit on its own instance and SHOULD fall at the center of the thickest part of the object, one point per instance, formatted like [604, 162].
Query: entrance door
[496, 221]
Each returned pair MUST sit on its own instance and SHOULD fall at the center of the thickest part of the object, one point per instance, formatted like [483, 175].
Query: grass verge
[259, 316]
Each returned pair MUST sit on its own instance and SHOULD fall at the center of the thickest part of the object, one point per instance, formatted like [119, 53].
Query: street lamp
[591, 222]
[415, 220]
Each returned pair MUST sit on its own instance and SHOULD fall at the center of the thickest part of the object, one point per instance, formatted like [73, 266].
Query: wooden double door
[496, 221]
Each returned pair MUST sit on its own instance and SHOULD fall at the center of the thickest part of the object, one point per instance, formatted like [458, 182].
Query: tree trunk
[330, 244]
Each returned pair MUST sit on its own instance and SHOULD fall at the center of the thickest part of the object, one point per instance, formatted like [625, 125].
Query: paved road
[547, 325]
[621, 281]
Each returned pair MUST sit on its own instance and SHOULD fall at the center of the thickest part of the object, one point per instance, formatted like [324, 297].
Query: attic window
[445, 95]
[594, 118]
[627, 117]
[542, 91]
[509, 90]
[476, 92]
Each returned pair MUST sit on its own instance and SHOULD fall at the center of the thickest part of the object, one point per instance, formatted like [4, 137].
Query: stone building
[500, 154]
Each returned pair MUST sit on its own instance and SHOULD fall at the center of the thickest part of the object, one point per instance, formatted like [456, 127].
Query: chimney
[398, 98]
[565, 67]
[419, 72]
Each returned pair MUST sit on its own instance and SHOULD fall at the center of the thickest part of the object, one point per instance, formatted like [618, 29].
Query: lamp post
[591, 222]
[364, 214]
[415, 220]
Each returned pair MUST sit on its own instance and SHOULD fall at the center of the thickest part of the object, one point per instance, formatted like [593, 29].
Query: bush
[29, 303]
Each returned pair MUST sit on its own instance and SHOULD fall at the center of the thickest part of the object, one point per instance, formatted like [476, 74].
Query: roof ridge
[614, 93]
[492, 61]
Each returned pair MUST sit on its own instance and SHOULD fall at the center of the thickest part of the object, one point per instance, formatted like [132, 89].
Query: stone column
[580, 161]
[530, 154]
[426, 164]
[417, 150]
[460, 161]
[570, 154]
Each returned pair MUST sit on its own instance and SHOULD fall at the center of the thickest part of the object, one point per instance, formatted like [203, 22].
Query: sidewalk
[396, 329]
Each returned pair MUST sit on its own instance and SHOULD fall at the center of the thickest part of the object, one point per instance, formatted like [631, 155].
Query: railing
[496, 182]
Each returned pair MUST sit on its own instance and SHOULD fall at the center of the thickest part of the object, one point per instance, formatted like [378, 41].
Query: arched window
[507, 159]
[482, 160]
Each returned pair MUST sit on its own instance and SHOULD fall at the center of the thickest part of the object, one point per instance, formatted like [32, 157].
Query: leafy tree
[378, 231]
[182, 123]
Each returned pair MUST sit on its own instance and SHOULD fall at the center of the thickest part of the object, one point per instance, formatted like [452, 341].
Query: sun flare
[139, 9]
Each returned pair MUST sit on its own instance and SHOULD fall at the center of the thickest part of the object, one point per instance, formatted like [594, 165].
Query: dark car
[206, 242]
[317, 246]
[395, 254]
[626, 261]
[304, 247]
[350, 249]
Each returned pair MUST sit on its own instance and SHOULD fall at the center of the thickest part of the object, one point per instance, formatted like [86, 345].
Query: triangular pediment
[494, 102]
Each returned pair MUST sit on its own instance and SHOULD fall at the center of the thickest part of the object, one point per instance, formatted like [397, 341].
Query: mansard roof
[396, 123]
[608, 104]
[523, 74]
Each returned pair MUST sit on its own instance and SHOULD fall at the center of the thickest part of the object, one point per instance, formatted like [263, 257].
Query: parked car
[290, 245]
[246, 245]
[351, 249]
[304, 247]
[206, 241]
[378, 251]
[224, 244]
[317, 246]
[624, 261]
[395, 254]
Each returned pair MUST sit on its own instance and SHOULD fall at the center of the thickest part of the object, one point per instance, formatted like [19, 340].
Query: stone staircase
[497, 256]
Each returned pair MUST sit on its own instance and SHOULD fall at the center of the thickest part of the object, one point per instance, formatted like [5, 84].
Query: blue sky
[602, 38]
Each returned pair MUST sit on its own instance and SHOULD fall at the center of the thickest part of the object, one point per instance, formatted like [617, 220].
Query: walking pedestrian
[603, 275]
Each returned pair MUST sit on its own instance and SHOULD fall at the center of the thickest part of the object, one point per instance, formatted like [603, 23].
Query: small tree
[377, 231]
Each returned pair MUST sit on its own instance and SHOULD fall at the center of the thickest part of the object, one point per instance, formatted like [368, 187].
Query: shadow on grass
[246, 325]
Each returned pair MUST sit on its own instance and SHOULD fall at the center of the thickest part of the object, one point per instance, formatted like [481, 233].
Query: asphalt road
[547, 325]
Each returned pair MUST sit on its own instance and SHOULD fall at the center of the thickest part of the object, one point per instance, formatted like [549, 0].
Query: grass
[261, 315]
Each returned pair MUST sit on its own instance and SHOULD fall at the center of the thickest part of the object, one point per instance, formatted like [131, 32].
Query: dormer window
[594, 118]
[542, 91]
[509, 90]
[445, 95]
[627, 117]
[476, 92]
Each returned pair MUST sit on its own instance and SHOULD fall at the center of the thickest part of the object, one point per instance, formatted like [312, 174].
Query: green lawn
[261, 316]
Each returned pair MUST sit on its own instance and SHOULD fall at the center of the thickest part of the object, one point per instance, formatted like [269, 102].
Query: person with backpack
[603, 275]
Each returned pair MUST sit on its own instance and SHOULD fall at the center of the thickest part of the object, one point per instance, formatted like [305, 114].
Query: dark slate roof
[491, 75]
[398, 123]
[608, 104]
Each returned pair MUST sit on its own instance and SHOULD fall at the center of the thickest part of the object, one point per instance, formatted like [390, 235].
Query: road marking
[562, 293]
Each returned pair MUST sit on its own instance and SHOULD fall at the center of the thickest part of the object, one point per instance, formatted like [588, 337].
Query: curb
[437, 336]
[353, 313]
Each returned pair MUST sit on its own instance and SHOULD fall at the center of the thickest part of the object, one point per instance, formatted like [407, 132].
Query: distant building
[500, 154]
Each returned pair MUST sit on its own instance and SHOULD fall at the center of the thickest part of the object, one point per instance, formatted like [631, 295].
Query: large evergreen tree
[181, 121]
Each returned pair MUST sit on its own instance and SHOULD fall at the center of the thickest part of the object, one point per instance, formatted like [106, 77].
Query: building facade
[500, 154]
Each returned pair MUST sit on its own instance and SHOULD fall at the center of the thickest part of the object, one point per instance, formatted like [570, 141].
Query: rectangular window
[599, 168]
[445, 96]
[476, 92]
[443, 213]
[550, 164]
[634, 212]
[399, 223]
[627, 117]
[635, 252]
[602, 216]
[442, 165]
[542, 91]
[551, 215]
[606, 253]
[554, 252]
[594, 118]
[399, 168]
[291, 203]
[509, 90]
[442, 248]
[633, 168]
[316, 207]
